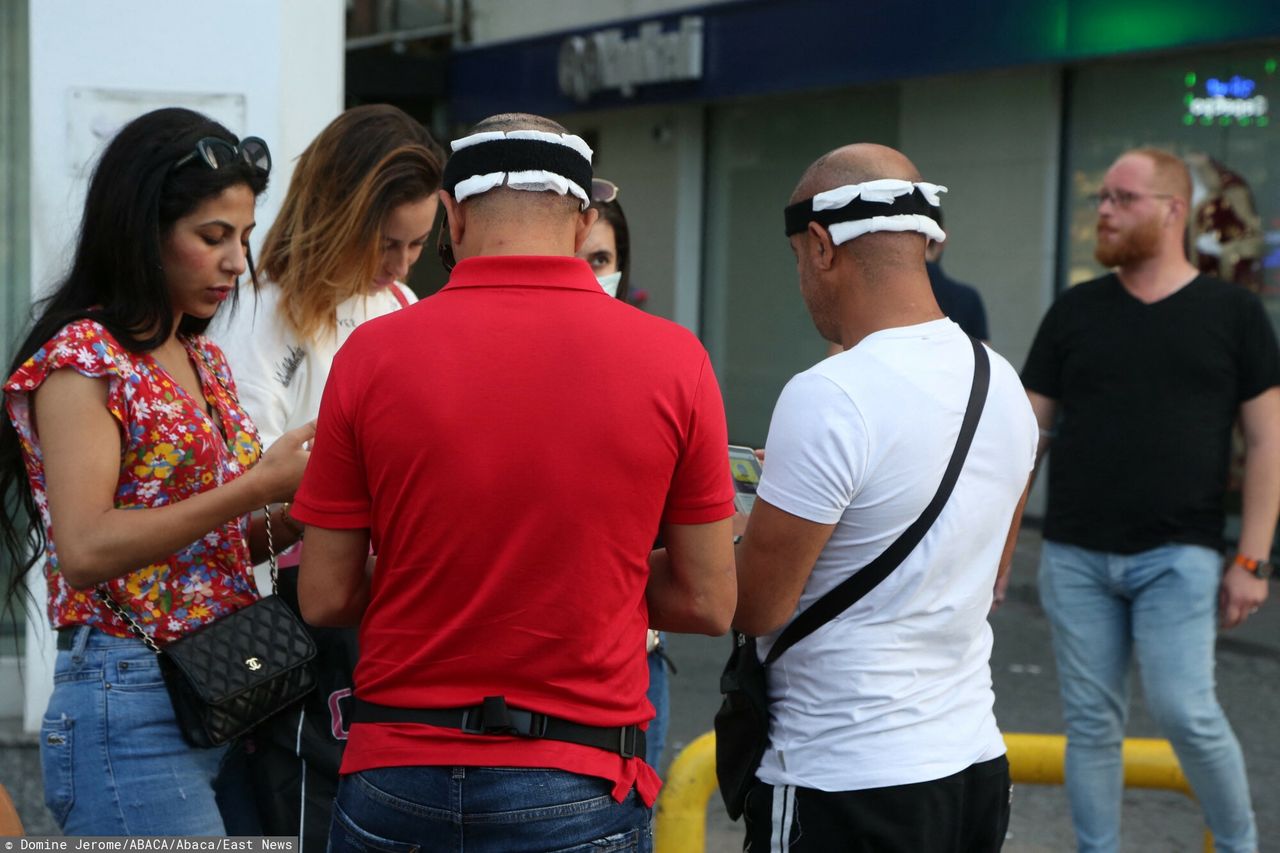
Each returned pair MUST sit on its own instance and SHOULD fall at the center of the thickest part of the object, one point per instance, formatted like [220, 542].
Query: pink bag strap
[399, 294]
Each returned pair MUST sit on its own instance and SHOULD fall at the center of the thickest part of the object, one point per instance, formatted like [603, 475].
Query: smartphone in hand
[746, 469]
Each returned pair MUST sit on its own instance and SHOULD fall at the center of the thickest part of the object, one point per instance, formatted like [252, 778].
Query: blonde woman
[359, 209]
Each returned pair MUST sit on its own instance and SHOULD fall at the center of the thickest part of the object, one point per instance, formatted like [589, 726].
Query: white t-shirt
[280, 379]
[896, 690]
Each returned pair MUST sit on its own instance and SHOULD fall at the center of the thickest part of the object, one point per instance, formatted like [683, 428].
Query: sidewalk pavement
[1026, 688]
[1026, 701]
[20, 773]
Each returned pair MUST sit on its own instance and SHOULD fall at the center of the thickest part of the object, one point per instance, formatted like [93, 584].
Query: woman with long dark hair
[359, 209]
[129, 467]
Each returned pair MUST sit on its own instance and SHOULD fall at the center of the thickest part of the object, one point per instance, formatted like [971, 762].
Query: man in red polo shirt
[511, 471]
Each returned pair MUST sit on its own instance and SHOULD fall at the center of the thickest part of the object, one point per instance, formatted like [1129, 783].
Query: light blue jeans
[484, 810]
[1162, 607]
[113, 760]
[660, 697]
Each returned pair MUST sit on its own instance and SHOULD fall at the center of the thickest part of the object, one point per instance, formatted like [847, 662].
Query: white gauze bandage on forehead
[528, 179]
[882, 191]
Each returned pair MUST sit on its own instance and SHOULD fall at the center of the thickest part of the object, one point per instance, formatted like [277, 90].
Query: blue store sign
[757, 47]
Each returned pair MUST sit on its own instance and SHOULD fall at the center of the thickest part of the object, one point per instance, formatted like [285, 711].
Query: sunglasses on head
[216, 153]
[603, 191]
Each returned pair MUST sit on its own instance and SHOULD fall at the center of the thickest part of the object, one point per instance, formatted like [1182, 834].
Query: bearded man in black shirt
[1138, 378]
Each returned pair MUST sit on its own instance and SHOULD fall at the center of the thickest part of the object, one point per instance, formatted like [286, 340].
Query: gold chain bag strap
[228, 676]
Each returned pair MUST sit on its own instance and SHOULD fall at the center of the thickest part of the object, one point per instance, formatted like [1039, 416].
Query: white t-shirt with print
[896, 690]
[279, 378]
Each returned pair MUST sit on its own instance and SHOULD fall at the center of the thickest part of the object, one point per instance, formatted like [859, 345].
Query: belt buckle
[528, 724]
[472, 720]
[624, 750]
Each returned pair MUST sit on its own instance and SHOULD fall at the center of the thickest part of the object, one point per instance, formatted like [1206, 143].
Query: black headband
[517, 155]
[799, 215]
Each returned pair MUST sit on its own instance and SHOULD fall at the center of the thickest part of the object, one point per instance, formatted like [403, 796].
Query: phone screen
[745, 468]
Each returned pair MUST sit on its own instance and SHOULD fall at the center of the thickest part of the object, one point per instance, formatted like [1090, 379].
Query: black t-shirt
[1147, 396]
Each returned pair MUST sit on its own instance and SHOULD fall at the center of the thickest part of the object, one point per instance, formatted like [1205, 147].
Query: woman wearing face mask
[359, 209]
[608, 245]
[608, 250]
[136, 469]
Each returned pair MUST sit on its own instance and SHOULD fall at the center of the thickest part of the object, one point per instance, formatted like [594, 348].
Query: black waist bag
[742, 723]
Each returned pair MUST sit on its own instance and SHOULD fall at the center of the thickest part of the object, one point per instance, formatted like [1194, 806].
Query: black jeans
[967, 812]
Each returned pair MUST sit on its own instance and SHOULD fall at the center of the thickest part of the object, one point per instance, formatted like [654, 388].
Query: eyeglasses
[603, 191]
[216, 153]
[1120, 198]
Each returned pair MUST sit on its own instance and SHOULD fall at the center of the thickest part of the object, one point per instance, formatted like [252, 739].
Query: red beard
[1140, 243]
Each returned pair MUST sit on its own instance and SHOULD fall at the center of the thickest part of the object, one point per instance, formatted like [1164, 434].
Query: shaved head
[503, 220]
[855, 164]
[517, 121]
[506, 204]
[874, 280]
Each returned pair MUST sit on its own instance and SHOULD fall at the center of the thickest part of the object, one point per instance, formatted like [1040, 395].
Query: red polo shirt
[513, 443]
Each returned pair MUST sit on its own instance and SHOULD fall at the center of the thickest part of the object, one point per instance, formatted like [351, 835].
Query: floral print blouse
[171, 449]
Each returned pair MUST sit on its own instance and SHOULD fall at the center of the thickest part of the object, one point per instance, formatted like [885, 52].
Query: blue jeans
[483, 809]
[1162, 607]
[113, 760]
[660, 697]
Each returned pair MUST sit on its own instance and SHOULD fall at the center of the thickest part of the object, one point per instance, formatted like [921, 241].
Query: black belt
[67, 637]
[495, 717]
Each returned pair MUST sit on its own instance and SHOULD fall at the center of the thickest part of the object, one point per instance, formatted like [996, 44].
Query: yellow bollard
[1148, 763]
[681, 825]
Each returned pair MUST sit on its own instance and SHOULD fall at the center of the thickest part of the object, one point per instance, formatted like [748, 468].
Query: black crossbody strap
[850, 590]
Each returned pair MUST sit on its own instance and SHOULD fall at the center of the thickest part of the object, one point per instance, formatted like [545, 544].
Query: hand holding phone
[746, 470]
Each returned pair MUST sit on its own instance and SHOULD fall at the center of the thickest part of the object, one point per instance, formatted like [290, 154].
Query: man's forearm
[334, 577]
[1260, 498]
[675, 604]
[1046, 413]
[342, 608]
[1011, 543]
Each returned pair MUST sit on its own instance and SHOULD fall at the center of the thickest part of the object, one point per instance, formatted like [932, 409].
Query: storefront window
[754, 322]
[1218, 111]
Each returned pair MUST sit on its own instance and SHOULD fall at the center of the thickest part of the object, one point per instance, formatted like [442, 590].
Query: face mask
[609, 283]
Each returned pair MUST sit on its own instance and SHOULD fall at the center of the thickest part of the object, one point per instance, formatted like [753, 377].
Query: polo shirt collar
[525, 271]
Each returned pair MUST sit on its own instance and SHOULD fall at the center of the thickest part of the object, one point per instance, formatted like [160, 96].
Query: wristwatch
[1260, 568]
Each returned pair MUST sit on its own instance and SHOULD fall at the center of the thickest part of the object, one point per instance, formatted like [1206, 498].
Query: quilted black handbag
[742, 723]
[235, 672]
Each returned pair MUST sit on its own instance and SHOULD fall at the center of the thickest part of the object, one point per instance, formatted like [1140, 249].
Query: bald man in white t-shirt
[882, 734]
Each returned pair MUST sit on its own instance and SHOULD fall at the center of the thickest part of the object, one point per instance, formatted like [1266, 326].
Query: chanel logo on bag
[253, 664]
